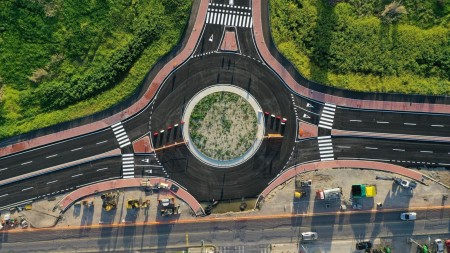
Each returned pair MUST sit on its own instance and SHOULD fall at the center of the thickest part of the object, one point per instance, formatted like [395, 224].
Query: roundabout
[251, 169]
[224, 125]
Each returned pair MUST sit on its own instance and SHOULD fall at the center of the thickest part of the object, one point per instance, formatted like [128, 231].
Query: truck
[364, 191]
[329, 194]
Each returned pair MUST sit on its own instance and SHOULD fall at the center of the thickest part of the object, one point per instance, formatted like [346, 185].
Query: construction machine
[168, 206]
[109, 201]
[133, 204]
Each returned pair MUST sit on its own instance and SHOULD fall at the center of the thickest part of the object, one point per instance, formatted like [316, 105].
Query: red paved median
[341, 101]
[76, 195]
[371, 165]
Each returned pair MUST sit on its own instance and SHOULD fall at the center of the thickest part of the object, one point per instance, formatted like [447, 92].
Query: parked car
[438, 246]
[408, 216]
[309, 236]
[447, 245]
[364, 245]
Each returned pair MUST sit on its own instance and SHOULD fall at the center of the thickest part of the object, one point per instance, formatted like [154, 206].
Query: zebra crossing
[121, 135]
[231, 17]
[325, 148]
[327, 116]
[127, 165]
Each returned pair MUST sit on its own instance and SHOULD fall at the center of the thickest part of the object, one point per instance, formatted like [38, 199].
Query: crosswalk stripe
[118, 131]
[251, 22]
[323, 126]
[327, 114]
[118, 136]
[221, 18]
[327, 120]
[330, 105]
[325, 123]
[127, 162]
[330, 109]
[128, 176]
[118, 123]
[127, 154]
[324, 148]
[128, 158]
[126, 144]
[325, 144]
[327, 159]
[323, 141]
[128, 166]
[122, 141]
[128, 173]
[324, 137]
[327, 155]
[326, 152]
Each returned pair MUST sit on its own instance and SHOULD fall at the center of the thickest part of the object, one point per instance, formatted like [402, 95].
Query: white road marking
[4, 195]
[77, 175]
[410, 124]
[343, 146]
[102, 169]
[101, 142]
[355, 120]
[3, 169]
[50, 156]
[371, 148]
[51, 182]
[437, 125]
[26, 163]
[29, 188]
[382, 122]
[75, 149]
[426, 151]
[397, 149]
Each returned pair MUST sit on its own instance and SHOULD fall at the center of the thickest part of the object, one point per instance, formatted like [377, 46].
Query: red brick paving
[157, 81]
[70, 198]
[307, 130]
[371, 165]
[341, 101]
[143, 145]
[229, 42]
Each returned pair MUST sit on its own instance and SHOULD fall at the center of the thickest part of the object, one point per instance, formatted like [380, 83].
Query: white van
[309, 236]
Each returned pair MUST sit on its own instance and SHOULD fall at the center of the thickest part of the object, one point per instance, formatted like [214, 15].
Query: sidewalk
[341, 101]
[370, 165]
[76, 195]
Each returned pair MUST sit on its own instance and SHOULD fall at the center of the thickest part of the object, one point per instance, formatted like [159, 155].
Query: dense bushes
[348, 46]
[67, 59]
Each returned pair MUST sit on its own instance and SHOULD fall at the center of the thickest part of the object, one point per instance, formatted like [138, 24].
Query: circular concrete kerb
[259, 122]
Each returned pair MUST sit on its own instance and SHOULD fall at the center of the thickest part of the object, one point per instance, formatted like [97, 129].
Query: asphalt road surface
[227, 233]
[209, 65]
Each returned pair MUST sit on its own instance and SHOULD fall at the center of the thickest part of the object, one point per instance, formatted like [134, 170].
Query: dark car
[364, 245]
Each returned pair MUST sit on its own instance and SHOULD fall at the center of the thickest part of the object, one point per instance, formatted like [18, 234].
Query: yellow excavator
[133, 203]
[109, 201]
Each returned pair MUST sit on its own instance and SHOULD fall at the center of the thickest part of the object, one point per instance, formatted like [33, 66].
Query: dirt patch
[223, 125]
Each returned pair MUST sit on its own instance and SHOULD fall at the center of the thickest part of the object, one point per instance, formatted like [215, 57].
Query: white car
[408, 216]
[309, 236]
[439, 244]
